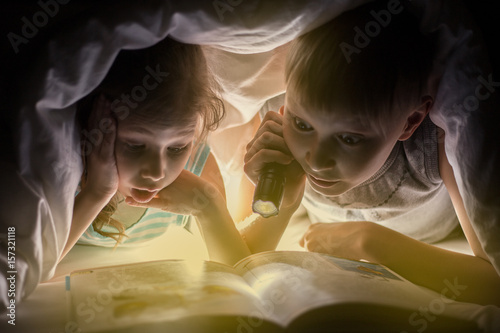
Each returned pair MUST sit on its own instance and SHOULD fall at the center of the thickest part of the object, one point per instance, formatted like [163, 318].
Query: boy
[359, 146]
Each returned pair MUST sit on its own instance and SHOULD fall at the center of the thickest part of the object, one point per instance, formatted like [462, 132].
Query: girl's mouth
[143, 196]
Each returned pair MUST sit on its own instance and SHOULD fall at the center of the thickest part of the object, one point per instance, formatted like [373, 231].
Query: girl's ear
[416, 117]
[282, 110]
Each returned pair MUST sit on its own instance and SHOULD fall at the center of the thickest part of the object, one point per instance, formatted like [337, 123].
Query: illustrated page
[127, 295]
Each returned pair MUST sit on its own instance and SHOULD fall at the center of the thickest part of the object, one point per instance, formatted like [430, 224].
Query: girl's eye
[134, 147]
[350, 139]
[177, 150]
[302, 125]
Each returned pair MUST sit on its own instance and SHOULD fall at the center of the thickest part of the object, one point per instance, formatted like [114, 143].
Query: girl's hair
[375, 75]
[168, 83]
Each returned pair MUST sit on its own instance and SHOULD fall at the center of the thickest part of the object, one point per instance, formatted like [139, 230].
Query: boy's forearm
[474, 279]
[224, 243]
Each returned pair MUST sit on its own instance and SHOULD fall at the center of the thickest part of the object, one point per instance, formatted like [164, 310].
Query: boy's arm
[448, 177]
[456, 275]
[268, 145]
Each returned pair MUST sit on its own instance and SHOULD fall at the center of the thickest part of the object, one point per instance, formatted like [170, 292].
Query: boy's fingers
[270, 126]
[271, 123]
[302, 242]
[256, 163]
[274, 116]
[268, 141]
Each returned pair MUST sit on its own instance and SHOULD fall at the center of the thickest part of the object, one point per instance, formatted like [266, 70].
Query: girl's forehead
[144, 126]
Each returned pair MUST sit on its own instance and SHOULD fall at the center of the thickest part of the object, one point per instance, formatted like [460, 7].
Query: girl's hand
[98, 150]
[187, 195]
[269, 146]
[342, 239]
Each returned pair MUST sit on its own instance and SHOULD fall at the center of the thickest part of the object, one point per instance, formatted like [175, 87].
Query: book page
[127, 295]
[291, 283]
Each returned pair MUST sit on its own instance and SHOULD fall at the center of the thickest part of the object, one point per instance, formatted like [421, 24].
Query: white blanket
[40, 168]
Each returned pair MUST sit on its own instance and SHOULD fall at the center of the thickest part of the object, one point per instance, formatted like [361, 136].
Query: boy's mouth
[143, 195]
[321, 182]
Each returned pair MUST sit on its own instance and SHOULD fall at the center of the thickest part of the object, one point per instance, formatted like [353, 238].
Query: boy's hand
[99, 153]
[342, 239]
[269, 146]
[187, 195]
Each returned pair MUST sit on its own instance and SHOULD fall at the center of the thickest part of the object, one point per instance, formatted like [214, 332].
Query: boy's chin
[333, 191]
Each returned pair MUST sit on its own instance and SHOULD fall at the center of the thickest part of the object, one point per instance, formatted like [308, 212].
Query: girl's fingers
[97, 113]
[108, 128]
[153, 203]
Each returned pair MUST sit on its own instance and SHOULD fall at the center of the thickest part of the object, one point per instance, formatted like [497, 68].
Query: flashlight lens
[265, 208]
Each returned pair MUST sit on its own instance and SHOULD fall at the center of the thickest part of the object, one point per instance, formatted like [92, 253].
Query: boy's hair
[375, 75]
[168, 83]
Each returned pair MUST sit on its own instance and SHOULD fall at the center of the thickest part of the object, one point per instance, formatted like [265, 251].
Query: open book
[266, 292]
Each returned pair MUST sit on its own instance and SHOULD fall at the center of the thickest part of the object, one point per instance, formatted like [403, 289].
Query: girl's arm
[102, 176]
[86, 208]
[222, 239]
[204, 198]
[264, 234]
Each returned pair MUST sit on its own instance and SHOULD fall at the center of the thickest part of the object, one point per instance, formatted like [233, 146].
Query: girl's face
[150, 156]
[336, 149]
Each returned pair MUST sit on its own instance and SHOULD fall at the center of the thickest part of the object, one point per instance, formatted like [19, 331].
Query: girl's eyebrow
[139, 129]
[184, 130]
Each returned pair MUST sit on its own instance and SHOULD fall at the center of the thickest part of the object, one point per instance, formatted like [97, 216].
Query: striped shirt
[154, 222]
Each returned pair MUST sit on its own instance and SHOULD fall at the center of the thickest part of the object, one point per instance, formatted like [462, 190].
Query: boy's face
[337, 150]
[150, 157]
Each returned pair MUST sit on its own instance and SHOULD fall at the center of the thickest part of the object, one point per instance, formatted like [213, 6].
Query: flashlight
[269, 191]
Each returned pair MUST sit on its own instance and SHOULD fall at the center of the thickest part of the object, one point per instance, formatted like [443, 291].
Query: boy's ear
[416, 117]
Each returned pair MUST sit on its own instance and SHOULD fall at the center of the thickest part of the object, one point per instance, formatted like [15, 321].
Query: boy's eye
[350, 139]
[301, 125]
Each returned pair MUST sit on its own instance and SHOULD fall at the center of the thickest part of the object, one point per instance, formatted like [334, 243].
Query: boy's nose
[321, 158]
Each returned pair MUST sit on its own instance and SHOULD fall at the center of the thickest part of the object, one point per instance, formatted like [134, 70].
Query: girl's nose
[154, 168]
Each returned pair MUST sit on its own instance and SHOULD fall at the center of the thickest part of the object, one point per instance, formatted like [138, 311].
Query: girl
[142, 134]
[359, 146]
